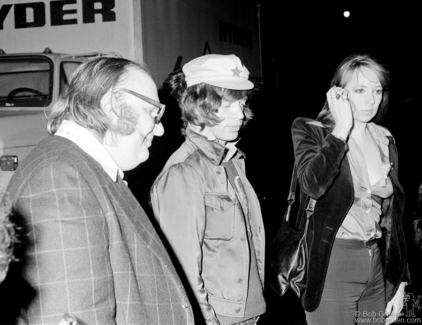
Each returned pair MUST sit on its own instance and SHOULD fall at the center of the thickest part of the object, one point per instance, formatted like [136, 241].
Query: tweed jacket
[205, 227]
[324, 174]
[91, 249]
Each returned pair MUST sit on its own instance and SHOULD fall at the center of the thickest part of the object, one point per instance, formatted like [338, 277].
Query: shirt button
[243, 239]
[218, 172]
[368, 211]
[221, 208]
[184, 306]
[240, 280]
[368, 191]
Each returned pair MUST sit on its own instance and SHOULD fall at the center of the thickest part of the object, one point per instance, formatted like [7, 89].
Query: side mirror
[8, 163]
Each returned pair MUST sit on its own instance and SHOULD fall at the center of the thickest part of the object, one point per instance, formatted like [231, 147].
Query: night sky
[302, 46]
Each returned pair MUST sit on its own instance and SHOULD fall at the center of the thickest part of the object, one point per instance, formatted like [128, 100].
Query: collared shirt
[200, 215]
[206, 132]
[255, 303]
[363, 218]
[235, 192]
[90, 144]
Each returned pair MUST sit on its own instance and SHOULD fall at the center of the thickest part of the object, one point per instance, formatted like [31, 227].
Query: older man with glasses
[92, 251]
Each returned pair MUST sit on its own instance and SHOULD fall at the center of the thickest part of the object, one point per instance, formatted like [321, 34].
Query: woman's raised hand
[341, 111]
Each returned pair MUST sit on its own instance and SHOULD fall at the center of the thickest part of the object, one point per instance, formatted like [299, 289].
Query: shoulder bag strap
[292, 194]
[292, 197]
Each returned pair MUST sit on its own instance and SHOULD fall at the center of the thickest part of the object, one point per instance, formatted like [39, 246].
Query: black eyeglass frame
[161, 107]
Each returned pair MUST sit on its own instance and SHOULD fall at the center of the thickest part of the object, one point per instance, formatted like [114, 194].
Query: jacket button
[222, 209]
[185, 306]
[240, 280]
[243, 239]
[218, 172]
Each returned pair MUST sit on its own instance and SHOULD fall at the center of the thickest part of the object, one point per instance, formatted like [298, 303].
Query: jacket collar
[378, 132]
[206, 142]
[88, 143]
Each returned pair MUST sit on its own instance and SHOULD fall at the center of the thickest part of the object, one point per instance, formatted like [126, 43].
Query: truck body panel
[187, 30]
[30, 83]
[78, 26]
[160, 34]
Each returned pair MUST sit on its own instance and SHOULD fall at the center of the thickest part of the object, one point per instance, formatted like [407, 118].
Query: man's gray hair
[80, 101]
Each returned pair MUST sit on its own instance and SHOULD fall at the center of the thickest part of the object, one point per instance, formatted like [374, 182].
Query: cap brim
[237, 84]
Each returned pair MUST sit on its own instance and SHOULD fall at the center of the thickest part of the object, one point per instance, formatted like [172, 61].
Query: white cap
[224, 71]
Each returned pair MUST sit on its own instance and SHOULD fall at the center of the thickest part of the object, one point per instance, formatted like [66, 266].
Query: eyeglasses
[161, 107]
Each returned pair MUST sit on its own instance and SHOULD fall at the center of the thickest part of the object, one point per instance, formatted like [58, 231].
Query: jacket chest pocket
[220, 216]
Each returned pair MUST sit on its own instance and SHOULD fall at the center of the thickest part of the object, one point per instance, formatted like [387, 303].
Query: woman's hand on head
[341, 111]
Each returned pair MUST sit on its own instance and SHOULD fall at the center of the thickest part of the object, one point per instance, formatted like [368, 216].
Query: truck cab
[30, 83]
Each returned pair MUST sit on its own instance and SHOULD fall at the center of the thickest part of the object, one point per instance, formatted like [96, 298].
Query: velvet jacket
[324, 174]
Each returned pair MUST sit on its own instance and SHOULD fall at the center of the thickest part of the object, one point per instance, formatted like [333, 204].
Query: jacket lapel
[138, 219]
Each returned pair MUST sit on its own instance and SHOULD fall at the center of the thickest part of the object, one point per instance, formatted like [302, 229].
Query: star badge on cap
[236, 72]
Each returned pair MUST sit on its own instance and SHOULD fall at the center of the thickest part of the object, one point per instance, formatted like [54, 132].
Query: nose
[370, 98]
[158, 130]
[239, 111]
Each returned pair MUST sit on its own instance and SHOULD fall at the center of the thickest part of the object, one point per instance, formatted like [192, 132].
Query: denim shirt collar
[208, 144]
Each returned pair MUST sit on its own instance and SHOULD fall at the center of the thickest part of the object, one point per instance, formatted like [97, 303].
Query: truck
[43, 41]
[29, 84]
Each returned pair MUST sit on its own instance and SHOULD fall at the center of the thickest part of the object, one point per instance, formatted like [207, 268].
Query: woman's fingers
[338, 93]
[338, 102]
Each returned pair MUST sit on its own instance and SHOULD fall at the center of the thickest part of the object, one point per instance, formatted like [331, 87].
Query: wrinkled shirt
[363, 219]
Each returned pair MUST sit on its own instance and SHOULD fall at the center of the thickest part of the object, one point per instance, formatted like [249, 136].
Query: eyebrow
[362, 86]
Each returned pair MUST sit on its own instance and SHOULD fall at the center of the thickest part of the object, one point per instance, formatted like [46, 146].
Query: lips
[234, 127]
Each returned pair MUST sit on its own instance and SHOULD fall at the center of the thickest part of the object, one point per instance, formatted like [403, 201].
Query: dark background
[301, 47]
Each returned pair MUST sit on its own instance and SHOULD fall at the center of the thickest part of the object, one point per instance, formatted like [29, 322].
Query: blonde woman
[357, 265]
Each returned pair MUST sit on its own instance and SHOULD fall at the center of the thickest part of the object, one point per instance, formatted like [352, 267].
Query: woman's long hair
[8, 233]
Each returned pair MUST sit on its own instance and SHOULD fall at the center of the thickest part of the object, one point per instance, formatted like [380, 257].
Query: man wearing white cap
[204, 204]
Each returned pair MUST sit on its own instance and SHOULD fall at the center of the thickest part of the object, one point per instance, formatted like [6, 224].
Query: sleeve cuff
[346, 147]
